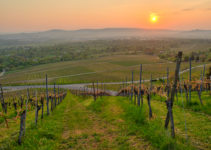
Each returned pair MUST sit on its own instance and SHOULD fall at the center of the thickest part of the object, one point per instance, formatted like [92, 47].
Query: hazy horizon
[2, 33]
[35, 16]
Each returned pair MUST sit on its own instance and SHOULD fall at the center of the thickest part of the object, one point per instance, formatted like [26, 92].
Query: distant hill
[58, 35]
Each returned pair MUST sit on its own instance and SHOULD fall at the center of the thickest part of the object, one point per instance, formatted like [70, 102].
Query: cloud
[192, 9]
[188, 9]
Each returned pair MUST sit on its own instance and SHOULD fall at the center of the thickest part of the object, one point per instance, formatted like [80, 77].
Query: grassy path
[88, 127]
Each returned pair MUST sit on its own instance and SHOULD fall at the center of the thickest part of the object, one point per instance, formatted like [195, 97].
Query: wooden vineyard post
[42, 103]
[37, 108]
[26, 108]
[97, 89]
[149, 98]
[199, 89]
[5, 108]
[54, 89]
[167, 81]
[47, 99]
[36, 112]
[58, 95]
[132, 88]
[123, 83]
[203, 77]
[15, 105]
[51, 102]
[94, 95]
[139, 94]
[22, 126]
[199, 94]
[170, 100]
[151, 83]
[21, 101]
[186, 91]
[134, 99]
[190, 86]
[2, 99]
[126, 87]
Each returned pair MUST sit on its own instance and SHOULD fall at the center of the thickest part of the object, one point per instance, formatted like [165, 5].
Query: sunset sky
[39, 15]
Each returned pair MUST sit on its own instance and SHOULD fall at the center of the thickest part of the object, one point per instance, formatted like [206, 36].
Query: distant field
[105, 69]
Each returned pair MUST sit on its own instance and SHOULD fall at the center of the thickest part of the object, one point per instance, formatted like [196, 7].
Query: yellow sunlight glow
[153, 18]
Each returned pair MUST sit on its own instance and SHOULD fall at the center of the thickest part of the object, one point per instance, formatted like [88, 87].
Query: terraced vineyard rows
[140, 116]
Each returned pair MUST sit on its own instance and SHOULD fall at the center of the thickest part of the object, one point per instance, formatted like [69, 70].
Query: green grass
[135, 124]
[197, 124]
[79, 122]
[194, 105]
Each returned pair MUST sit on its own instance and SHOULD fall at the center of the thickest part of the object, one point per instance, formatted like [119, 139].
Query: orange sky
[38, 15]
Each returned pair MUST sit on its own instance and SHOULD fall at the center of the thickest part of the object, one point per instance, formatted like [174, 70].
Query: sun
[153, 18]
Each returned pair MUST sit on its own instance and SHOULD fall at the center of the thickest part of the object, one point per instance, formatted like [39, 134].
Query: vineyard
[153, 112]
